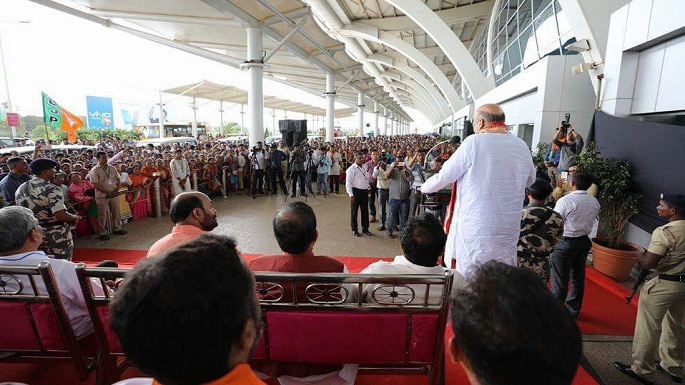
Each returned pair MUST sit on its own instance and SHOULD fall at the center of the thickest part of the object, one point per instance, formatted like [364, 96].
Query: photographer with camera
[569, 148]
[257, 156]
[399, 181]
[383, 190]
[297, 170]
[324, 163]
[310, 166]
[275, 159]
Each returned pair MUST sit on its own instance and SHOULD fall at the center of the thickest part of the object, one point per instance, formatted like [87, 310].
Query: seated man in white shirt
[423, 242]
[21, 236]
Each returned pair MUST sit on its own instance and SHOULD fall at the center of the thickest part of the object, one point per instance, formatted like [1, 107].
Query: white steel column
[330, 107]
[255, 95]
[221, 116]
[375, 120]
[194, 126]
[385, 121]
[360, 111]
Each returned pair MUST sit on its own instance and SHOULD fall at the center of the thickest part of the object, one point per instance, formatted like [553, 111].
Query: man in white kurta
[492, 170]
[180, 172]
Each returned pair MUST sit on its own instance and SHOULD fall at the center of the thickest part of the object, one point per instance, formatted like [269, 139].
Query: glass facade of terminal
[525, 31]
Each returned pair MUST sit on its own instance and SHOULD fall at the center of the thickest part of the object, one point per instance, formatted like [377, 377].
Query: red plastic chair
[35, 323]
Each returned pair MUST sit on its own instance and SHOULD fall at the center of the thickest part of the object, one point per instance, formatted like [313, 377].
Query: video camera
[566, 123]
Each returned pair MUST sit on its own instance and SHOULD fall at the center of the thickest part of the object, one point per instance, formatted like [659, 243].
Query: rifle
[641, 277]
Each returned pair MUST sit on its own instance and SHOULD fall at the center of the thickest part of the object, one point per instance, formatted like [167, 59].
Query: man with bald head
[492, 170]
[193, 214]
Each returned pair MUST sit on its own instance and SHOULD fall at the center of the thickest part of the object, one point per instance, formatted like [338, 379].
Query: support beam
[385, 121]
[415, 75]
[285, 39]
[362, 31]
[330, 106]
[448, 16]
[445, 38]
[375, 120]
[255, 95]
[360, 111]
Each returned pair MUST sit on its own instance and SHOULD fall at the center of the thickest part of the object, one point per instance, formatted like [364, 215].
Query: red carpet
[604, 312]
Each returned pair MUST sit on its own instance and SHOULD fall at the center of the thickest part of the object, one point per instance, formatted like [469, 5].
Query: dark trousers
[361, 201]
[295, 176]
[257, 181]
[414, 202]
[399, 210]
[372, 199]
[277, 174]
[383, 203]
[334, 181]
[568, 262]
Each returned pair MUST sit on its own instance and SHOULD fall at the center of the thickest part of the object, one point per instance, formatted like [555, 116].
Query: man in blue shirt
[19, 173]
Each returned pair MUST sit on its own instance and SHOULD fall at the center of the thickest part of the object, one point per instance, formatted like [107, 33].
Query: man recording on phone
[570, 144]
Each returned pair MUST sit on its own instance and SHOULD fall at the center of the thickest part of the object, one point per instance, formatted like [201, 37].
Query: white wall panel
[672, 83]
[666, 16]
[638, 23]
[647, 79]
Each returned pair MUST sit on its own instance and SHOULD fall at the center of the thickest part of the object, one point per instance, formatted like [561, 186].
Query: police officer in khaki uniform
[661, 310]
[47, 203]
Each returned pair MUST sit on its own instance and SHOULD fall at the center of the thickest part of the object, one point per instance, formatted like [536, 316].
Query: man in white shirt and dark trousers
[357, 186]
[579, 211]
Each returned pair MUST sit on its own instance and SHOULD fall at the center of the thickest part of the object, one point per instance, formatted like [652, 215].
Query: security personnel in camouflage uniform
[661, 310]
[541, 229]
[47, 203]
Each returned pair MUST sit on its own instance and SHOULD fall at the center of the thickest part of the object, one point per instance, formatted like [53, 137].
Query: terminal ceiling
[219, 92]
[399, 53]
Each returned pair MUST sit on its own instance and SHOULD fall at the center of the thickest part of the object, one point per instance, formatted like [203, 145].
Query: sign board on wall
[100, 112]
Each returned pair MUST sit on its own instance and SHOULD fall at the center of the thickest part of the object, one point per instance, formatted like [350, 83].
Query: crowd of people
[490, 233]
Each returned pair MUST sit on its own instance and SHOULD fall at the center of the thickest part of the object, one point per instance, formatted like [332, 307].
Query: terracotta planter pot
[617, 264]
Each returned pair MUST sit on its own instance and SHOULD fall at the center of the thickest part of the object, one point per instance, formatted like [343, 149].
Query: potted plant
[619, 201]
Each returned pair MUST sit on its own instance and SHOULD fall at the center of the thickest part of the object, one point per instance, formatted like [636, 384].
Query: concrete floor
[249, 221]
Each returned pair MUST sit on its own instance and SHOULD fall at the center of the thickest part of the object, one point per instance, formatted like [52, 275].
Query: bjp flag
[58, 117]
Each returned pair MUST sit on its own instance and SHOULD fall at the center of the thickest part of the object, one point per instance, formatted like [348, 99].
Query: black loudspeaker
[293, 131]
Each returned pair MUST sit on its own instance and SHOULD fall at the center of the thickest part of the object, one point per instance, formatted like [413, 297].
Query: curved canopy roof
[219, 92]
[400, 53]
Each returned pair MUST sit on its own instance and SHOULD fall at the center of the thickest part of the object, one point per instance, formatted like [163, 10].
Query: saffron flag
[56, 116]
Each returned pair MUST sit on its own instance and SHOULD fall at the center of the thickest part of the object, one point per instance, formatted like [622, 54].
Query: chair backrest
[98, 304]
[334, 324]
[35, 322]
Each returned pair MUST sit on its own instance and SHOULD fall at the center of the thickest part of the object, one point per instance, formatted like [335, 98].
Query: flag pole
[45, 122]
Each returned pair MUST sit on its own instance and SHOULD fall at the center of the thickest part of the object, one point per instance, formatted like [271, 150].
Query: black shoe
[382, 228]
[356, 233]
[628, 371]
[104, 237]
[120, 232]
[305, 195]
[392, 236]
[292, 195]
[367, 232]
[673, 378]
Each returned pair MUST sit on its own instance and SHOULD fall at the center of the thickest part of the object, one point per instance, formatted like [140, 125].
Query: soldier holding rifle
[660, 312]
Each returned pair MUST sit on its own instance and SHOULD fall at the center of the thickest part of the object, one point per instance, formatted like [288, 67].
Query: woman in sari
[124, 208]
[164, 184]
[83, 193]
[151, 173]
[139, 201]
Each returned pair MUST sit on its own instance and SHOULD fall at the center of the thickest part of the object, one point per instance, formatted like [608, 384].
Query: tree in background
[232, 128]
